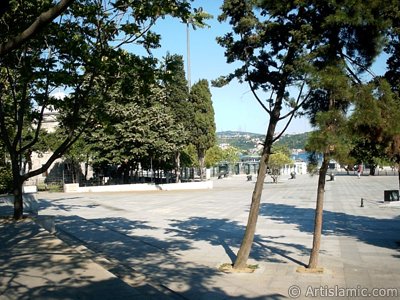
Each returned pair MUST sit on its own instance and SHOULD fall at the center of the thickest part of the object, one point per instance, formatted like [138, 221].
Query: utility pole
[188, 53]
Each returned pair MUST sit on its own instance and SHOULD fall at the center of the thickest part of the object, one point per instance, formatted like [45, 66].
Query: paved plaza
[169, 244]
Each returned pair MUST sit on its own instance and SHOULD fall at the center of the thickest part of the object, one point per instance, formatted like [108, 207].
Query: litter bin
[391, 195]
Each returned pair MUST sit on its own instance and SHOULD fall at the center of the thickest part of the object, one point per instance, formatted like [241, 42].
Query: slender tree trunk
[398, 168]
[17, 191]
[201, 163]
[372, 170]
[318, 214]
[245, 247]
[86, 167]
[73, 170]
[178, 166]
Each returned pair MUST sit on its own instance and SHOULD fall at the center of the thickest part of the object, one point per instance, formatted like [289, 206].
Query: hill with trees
[294, 141]
[247, 141]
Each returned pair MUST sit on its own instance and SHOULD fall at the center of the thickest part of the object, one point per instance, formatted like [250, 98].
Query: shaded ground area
[36, 265]
[169, 244]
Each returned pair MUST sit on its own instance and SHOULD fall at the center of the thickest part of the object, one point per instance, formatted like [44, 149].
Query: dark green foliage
[176, 87]
[143, 121]
[318, 47]
[374, 123]
[393, 50]
[134, 133]
[203, 135]
[79, 53]
[312, 166]
[176, 90]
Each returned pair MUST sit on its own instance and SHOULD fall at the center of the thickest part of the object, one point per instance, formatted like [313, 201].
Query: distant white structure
[298, 167]
[49, 121]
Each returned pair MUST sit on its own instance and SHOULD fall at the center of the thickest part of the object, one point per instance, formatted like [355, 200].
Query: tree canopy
[79, 52]
[202, 134]
[283, 49]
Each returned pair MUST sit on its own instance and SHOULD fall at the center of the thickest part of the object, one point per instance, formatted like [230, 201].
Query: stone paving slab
[175, 240]
[37, 265]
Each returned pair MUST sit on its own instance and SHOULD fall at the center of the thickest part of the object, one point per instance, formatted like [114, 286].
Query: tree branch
[345, 56]
[44, 19]
[68, 142]
[298, 103]
[254, 92]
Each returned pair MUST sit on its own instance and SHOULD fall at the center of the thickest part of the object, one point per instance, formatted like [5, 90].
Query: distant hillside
[294, 141]
[242, 140]
[247, 141]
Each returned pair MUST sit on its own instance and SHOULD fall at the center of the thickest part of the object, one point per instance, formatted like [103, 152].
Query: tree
[269, 39]
[213, 156]
[230, 155]
[77, 53]
[281, 44]
[134, 135]
[44, 19]
[349, 46]
[143, 120]
[203, 134]
[277, 160]
[374, 124]
[331, 140]
[393, 77]
[177, 98]
[189, 156]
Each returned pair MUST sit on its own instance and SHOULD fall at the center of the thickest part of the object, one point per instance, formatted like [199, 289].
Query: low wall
[74, 188]
[29, 202]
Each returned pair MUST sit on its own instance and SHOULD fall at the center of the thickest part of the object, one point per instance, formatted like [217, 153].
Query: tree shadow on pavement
[373, 231]
[228, 234]
[44, 204]
[35, 265]
[162, 260]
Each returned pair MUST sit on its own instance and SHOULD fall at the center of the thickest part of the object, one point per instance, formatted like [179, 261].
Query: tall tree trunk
[17, 191]
[313, 262]
[18, 202]
[178, 166]
[372, 169]
[245, 247]
[86, 167]
[201, 155]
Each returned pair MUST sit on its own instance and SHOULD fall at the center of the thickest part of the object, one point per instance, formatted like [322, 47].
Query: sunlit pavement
[169, 244]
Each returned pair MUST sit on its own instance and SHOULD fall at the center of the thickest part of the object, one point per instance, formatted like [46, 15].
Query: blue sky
[235, 107]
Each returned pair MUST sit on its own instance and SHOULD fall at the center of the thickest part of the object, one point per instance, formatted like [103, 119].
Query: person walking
[359, 171]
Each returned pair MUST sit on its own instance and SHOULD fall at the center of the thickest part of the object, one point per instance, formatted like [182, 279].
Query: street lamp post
[191, 21]
[188, 53]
